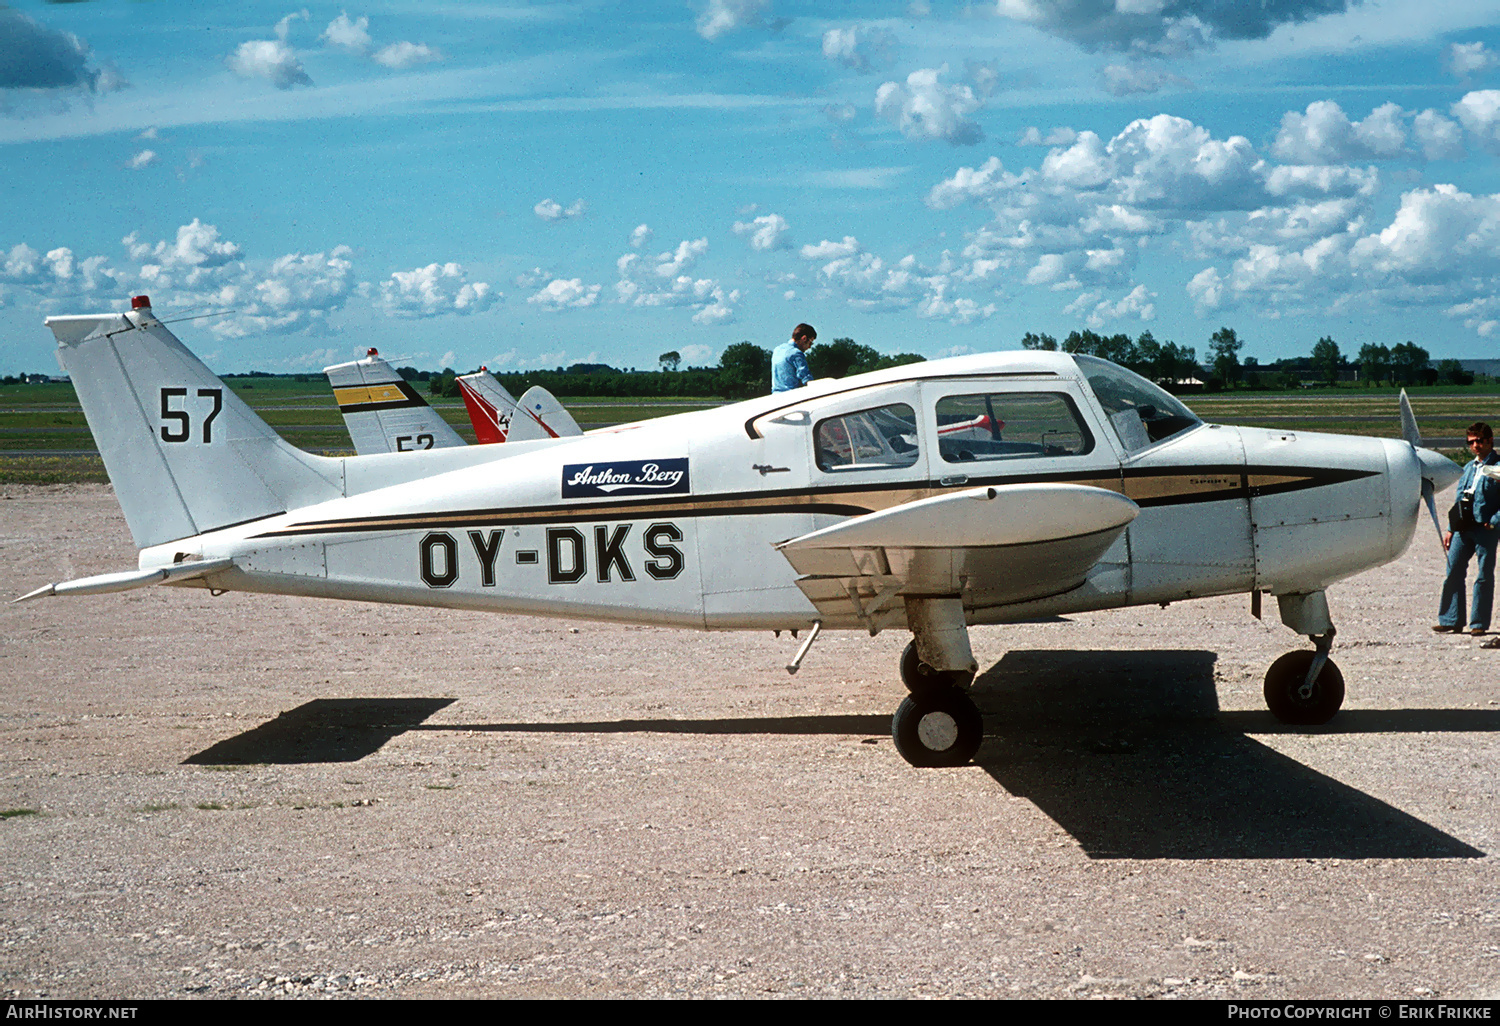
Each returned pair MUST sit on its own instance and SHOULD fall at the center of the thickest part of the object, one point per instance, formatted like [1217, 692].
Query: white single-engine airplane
[842, 504]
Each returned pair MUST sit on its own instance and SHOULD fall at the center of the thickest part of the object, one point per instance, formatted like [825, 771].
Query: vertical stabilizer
[549, 413]
[184, 453]
[382, 410]
[494, 412]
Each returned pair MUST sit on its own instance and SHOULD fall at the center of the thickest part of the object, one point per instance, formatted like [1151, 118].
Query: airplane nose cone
[1438, 469]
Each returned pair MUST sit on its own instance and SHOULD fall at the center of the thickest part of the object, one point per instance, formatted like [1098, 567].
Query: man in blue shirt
[1476, 533]
[789, 367]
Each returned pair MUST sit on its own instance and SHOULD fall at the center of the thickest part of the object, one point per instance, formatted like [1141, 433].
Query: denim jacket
[1486, 490]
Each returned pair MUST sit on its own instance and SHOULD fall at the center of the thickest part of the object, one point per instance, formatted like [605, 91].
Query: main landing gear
[1306, 688]
[938, 724]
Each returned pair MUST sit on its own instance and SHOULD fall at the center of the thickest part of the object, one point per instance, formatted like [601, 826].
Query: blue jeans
[1466, 544]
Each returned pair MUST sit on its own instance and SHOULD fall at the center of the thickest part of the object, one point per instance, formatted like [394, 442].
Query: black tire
[1284, 684]
[918, 676]
[937, 727]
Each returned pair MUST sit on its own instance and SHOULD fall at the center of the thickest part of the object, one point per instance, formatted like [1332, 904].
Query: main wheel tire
[937, 727]
[919, 677]
[1284, 686]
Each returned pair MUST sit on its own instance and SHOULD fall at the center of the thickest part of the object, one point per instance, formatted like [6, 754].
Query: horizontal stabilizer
[130, 579]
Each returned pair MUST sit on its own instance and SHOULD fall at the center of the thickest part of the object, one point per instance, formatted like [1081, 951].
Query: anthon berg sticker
[634, 477]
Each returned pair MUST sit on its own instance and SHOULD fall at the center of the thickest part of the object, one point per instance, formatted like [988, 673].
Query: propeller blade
[1409, 422]
[1427, 497]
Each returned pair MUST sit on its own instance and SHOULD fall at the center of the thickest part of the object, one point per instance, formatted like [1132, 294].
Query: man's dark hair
[1479, 429]
[804, 331]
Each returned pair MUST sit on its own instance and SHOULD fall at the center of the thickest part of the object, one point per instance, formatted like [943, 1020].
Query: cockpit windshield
[1141, 413]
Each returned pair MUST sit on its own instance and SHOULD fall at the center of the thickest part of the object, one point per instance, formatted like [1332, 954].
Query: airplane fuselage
[673, 521]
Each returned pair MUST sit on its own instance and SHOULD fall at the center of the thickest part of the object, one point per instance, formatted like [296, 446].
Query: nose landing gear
[1306, 688]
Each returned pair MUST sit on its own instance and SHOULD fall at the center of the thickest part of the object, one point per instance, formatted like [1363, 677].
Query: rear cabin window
[1009, 426]
[878, 439]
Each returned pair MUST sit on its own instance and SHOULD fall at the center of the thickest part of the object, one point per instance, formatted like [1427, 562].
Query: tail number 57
[182, 419]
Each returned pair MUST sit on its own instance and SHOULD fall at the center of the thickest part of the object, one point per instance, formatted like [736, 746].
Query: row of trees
[1175, 366]
[1166, 363]
[743, 371]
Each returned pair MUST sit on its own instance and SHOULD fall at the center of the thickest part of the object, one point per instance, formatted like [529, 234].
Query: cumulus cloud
[719, 17]
[640, 235]
[270, 59]
[970, 185]
[197, 245]
[1439, 137]
[1465, 60]
[640, 287]
[196, 269]
[827, 250]
[861, 49]
[1159, 26]
[671, 264]
[353, 35]
[1126, 79]
[551, 210]
[1480, 113]
[348, 34]
[284, 26]
[1136, 305]
[145, 158]
[33, 56]
[406, 55]
[924, 108]
[766, 232]
[560, 293]
[1055, 137]
[1325, 135]
[434, 290]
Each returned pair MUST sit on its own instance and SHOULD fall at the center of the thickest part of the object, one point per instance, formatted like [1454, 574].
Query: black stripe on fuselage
[827, 499]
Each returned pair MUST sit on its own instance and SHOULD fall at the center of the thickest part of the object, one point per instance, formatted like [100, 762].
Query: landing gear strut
[1306, 688]
[919, 677]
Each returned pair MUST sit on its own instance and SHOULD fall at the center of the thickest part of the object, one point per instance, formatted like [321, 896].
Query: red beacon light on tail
[140, 302]
[372, 351]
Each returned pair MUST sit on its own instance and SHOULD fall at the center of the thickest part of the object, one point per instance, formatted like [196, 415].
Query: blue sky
[534, 185]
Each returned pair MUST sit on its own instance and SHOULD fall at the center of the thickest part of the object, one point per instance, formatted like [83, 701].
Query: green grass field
[44, 438]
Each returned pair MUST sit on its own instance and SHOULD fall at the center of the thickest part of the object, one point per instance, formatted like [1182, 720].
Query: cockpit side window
[1141, 413]
[876, 439]
[1009, 426]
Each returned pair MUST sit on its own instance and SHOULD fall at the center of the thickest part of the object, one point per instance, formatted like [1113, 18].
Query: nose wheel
[937, 726]
[1302, 693]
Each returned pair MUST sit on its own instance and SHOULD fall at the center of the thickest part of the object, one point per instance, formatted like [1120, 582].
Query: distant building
[1490, 367]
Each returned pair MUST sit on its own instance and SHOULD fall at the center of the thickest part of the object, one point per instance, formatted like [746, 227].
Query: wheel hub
[938, 731]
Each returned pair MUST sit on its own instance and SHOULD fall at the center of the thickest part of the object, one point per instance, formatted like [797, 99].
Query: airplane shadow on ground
[1127, 751]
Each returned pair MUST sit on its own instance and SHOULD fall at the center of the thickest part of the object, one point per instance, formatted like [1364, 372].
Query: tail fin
[543, 405]
[493, 411]
[184, 453]
[383, 412]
